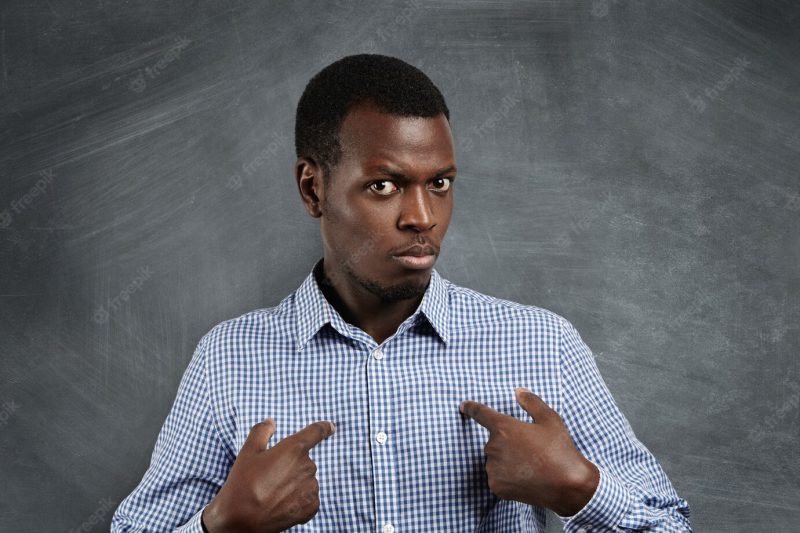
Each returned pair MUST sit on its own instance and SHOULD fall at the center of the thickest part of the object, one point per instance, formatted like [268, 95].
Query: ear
[310, 184]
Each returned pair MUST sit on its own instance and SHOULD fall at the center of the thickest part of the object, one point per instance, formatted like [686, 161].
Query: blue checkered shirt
[402, 459]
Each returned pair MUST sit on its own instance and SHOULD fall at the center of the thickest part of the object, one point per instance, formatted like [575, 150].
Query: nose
[417, 212]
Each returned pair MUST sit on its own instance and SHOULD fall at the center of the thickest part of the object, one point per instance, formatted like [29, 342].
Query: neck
[374, 315]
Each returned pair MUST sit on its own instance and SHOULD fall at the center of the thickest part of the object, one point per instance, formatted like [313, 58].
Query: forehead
[369, 136]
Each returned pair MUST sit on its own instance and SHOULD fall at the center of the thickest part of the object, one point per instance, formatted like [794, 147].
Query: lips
[417, 257]
[415, 262]
[418, 250]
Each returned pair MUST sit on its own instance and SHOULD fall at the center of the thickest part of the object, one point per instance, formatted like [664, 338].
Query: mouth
[416, 262]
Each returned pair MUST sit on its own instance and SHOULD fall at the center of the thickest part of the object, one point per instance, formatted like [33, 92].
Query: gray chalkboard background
[631, 165]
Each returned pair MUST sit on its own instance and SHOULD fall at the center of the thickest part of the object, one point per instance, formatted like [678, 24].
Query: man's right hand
[269, 489]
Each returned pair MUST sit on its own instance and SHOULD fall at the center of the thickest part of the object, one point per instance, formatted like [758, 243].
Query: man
[379, 396]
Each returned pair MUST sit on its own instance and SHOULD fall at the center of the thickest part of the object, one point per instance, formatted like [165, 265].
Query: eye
[443, 184]
[380, 187]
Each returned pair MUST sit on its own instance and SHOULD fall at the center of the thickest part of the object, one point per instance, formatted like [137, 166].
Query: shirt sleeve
[188, 465]
[634, 492]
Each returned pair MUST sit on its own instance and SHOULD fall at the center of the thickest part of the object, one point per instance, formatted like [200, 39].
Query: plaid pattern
[402, 459]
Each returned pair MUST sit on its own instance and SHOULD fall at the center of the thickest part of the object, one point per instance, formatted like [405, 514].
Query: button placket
[381, 416]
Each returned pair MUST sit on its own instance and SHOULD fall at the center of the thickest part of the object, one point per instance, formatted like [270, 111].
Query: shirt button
[388, 528]
[377, 354]
[381, 438]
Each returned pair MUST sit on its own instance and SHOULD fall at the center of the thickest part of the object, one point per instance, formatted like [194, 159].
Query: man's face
[392, 190]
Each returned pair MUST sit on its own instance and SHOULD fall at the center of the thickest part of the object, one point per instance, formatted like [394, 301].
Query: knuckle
[294, 509]
[310, 507]
[306, 517]
[310, 468]
[310, 499]
[300, 445]
[492, 447]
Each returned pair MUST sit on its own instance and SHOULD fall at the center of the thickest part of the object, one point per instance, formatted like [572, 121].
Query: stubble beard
[390, 293]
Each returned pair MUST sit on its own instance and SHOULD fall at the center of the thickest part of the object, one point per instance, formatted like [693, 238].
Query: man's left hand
[534, 463]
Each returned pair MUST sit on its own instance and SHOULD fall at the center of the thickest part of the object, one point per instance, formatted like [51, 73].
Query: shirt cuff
[610, 502]
[194, 525]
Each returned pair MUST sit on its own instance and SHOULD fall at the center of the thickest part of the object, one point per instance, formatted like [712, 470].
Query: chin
[390, 286]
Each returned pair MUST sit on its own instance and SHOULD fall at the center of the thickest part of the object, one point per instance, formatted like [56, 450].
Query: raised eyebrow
[400, 176]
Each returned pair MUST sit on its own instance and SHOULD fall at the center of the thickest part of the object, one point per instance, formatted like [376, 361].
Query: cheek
[359, 229]
[369, 219]
[444, 216]
[341, 215]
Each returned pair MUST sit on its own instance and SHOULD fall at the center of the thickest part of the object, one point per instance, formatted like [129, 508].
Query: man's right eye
[381, 188]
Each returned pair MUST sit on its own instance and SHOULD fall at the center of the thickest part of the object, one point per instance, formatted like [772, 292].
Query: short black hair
[390, 84]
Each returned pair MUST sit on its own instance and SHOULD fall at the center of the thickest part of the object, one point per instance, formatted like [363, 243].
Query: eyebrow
[399, 175]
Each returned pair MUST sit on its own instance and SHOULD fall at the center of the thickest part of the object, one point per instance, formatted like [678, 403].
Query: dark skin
[534, 463]
[391, 189]
[382, 212]
[269, 489]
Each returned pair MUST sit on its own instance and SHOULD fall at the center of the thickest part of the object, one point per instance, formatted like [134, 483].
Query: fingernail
[333, 426]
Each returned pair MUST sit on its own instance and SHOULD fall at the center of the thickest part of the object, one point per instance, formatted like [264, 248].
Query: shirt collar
[313, 310]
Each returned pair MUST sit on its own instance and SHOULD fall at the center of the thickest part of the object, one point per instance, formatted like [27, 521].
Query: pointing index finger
[480, 413]
[314, 433]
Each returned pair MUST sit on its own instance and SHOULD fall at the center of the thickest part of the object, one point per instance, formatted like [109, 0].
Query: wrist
[211, 519]
[579, 490]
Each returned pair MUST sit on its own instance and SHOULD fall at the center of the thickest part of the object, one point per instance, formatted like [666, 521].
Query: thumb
[259, 436]
[533, 405]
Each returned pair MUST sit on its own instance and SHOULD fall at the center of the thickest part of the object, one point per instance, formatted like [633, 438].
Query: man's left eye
[445, 183]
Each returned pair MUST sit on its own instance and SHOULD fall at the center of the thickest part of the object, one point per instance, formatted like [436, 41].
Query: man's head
[375, 164]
